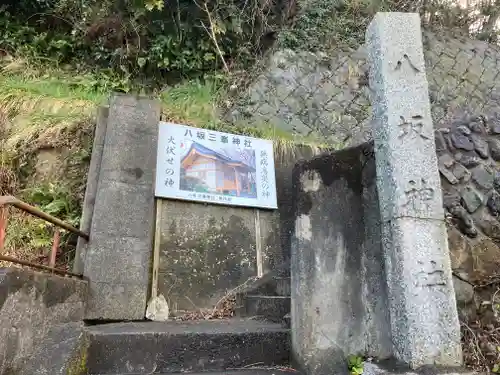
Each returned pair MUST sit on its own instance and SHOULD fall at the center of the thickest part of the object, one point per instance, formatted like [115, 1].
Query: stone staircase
[256, 342]
[267, 298]
[187, 347]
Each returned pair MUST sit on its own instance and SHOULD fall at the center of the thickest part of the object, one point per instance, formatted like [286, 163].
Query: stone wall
[32, 306]
[328, 96]
[468, 151]
[339, 297]
[313, 94]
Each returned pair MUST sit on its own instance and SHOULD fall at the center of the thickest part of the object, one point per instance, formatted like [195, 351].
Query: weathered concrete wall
[285, 162]
[208, 250]
[31, 304]
[205, 250]
[338, 278]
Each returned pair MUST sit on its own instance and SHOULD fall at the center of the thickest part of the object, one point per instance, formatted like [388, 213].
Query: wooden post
[55, 247]
[156, 249]
[258, 244]
[3, 225]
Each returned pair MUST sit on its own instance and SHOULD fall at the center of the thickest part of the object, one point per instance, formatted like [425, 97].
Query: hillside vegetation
[60, 60]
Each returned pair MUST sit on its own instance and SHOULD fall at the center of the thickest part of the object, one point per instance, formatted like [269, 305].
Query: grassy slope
[52, 111]
[43, 105]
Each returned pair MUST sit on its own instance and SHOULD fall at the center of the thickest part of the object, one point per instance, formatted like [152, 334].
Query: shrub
[145, 40]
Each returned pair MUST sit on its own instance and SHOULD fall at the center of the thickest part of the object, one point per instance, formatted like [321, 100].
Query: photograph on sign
[209, 166]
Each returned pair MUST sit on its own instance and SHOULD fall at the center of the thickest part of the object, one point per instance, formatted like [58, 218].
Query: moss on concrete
[78, 364]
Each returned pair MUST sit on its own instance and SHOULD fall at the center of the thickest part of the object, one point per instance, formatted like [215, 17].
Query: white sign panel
[208, 166]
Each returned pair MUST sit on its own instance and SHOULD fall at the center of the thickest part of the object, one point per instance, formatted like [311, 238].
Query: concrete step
[283, 286]
[251, 371]
[174, 347]
[271, 308]
[270, 285]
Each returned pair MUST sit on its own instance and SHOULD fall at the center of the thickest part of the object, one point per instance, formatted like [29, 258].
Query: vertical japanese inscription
[406, 61]
[410, 197]
[170, 171]
[418, 195]
[264, 175]
[413, 127]
[430, 275]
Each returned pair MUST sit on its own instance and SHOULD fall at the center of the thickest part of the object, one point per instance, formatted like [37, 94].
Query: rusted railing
[6, 201]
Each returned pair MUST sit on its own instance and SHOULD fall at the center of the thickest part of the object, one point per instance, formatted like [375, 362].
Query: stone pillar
[424, 320]
[117, 263]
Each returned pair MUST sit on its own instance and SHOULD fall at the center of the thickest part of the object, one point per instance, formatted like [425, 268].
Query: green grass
[64, 88]
[191, 103]
[49, 109]
[40, 110]
[41, 106]
[53, 109]
[195, 103]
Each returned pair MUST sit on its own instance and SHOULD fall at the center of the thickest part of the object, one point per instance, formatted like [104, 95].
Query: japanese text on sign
[213, 167]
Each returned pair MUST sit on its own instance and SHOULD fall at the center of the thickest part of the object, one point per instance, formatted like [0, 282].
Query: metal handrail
[13, 201]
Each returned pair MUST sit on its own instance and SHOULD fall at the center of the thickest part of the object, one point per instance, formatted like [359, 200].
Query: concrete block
[66, 295]
[403, 130]
[128, 211]
[129, 161]
[130, 155]
[114, 301]
[338, 294]
[31, 305]
[422, 299]
[62, 352]
[124, 257]
[132, 119]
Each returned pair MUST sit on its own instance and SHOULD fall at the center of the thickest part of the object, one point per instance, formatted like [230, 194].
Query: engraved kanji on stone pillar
[424, 320]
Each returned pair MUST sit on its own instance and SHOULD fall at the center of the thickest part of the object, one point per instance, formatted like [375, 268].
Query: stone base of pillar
[391, 368]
